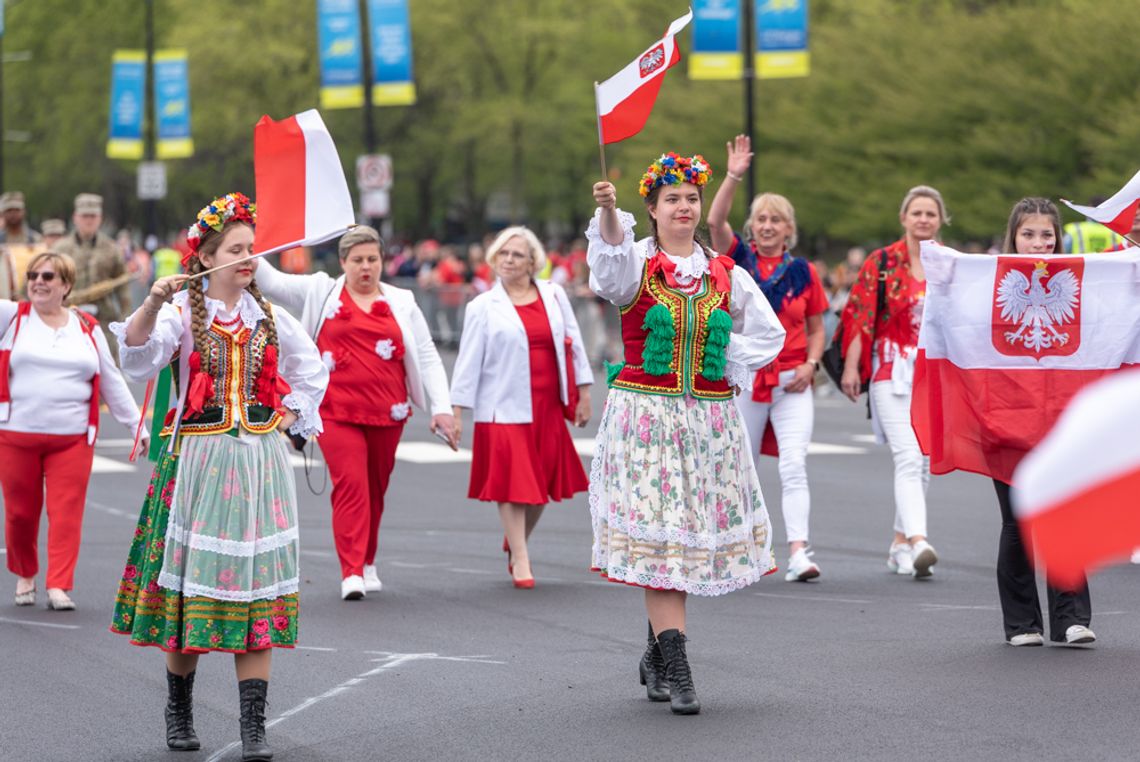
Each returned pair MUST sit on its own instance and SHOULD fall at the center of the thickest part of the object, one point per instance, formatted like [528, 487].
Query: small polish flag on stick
[302, 195]
[1117, 213]
[625, 100]
[1076, 495]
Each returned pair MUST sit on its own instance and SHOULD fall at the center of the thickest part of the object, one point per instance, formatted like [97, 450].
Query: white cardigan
[492, 372]
[317, 296]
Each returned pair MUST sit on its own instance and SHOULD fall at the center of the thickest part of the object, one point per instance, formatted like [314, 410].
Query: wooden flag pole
[601, 142]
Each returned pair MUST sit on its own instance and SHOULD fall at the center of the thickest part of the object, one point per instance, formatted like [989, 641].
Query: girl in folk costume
[213, 565]
[780, 412]
[674, 498]
[879, 350]
[1034, 229]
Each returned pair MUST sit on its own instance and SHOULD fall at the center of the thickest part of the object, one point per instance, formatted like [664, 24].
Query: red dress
[529, 463]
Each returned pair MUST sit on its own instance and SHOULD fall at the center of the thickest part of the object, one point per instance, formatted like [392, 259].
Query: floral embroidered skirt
[674, 497]
[213, 564]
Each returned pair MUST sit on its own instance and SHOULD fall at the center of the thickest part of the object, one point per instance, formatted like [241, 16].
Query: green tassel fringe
[716, 345]
[612, 370]
[658, 352]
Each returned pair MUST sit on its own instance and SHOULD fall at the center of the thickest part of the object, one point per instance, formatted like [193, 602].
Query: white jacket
[317, 296]
[492, 372]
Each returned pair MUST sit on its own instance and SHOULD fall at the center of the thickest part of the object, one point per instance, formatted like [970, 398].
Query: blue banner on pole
[172, 104]
[716, 40]
[128, 98]
[782, 39]
[391, 32]
[342, 60]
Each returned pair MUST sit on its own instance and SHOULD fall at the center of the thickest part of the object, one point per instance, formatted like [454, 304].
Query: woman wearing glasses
[54, 367]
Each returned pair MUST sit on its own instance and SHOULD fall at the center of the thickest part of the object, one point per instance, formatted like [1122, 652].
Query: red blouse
[364, 352]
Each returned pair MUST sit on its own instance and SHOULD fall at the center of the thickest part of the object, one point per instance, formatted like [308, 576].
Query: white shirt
[298, 361]
[492, 371]
[50, 376]
[615, 274]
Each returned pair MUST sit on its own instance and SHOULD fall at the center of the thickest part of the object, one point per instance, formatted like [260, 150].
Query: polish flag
[1119, 212]
[626, 99]
[302, 195]
[1005, 343]
[1076, 493]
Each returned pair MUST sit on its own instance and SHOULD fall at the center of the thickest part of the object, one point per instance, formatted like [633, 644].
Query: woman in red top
[779, 410]
[879, 349]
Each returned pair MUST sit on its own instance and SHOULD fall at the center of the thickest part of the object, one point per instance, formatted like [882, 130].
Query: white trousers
[792, 416]
[912, 468]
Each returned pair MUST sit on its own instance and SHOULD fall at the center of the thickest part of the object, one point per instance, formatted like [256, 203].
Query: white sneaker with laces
[352, 588]
[900, 560]
[800, 567]
[1079, 635]
[372, 583]
[924, 556]
[1027, 639]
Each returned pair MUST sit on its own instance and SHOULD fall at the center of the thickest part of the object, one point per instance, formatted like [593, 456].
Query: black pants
[1017, 585]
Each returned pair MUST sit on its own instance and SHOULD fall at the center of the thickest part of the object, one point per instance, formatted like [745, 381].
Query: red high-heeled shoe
[524, 584]
[507, 550]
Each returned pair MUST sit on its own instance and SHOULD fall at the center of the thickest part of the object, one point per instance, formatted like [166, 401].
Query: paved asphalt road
[451, 662]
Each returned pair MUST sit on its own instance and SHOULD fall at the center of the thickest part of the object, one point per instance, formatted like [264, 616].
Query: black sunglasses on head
[46, 277]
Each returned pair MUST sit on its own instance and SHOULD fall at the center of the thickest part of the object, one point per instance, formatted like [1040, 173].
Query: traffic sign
[152, 180]
[374, 172]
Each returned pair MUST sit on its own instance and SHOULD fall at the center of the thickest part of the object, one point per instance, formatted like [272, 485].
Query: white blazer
[492, 372]
[317, 296]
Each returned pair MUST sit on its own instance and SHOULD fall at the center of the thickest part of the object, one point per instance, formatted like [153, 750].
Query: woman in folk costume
[780, 412]
[213, 565]
[674, 498]
[880, 345]
[381, 359]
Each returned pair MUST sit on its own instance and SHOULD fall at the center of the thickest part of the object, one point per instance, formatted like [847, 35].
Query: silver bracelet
[737, 178]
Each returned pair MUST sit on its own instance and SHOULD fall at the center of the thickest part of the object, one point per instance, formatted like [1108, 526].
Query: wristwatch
[814, 363]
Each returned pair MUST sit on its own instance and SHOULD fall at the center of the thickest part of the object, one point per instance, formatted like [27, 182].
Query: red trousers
[360, 460]
[27, 463]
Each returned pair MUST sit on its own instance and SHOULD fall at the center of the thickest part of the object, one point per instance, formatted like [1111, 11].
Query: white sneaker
[352, 588]
[900, 560]
[1027, 639]
[1136, 556]
[924, 556]
[372, 582]
[800, 567]
[1079, 635]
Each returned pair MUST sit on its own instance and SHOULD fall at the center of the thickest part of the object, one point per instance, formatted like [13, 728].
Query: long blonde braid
[199, 326]
[271, 325]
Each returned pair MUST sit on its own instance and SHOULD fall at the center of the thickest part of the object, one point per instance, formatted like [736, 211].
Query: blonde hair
[773, 202]
[358, 235]
[62, 264]
[925, 191]
[537, 252]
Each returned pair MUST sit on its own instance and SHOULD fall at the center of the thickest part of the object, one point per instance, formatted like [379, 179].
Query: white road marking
[820, 598]
[40, 624]
[315, 648]
[825, 448]
[868, 438]
[102, 465]
[388, 661]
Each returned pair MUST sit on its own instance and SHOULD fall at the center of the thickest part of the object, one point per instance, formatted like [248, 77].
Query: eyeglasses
[46, 277]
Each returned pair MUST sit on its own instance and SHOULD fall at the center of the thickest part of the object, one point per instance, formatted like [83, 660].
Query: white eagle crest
[1039, 308]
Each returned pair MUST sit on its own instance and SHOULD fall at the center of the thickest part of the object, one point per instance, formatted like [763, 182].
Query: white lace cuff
[308, 423]
[738, 375]
[599, 244]
[137, 362]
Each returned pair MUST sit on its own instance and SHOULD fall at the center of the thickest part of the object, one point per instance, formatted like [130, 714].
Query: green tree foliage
[987, 100]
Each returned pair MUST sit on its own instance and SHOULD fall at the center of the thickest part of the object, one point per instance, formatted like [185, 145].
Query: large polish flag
[1117, 213]
[302, 195]
[1005, 343]
[626, 99]
[1076, 494]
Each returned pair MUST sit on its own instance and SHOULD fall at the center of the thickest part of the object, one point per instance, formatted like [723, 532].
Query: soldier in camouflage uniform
[97, 259]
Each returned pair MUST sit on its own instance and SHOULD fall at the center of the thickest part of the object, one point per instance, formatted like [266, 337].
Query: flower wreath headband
[215, 215]
[672, 169]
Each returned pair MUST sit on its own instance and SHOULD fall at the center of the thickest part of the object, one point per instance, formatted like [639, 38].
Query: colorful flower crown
[672, 169]
[215, 215]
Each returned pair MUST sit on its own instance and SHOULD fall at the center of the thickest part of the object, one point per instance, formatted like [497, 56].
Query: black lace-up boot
[682, 693]
[180, 734]
[652, 669]
[254, 747]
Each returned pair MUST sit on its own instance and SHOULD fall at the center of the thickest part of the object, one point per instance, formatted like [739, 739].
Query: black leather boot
[652, 669]
[180, 734]
[682, 694]
[253, 745]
